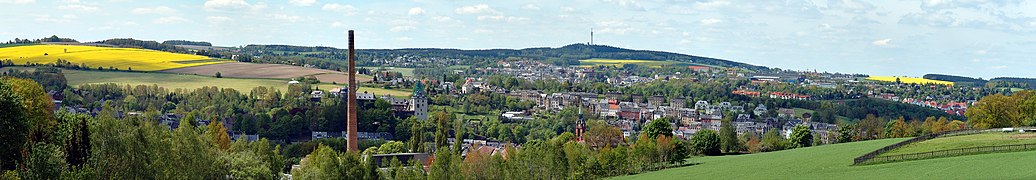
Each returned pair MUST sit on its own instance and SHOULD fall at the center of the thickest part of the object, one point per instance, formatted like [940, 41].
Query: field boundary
[866, 158]
[874, 158]
[951, 153]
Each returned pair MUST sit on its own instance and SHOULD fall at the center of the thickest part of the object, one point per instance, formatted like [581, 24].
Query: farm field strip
[908, 80]
[105, 57]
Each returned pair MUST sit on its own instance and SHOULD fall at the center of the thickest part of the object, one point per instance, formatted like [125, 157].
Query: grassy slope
[974, 140]
[173, 81]
[834, 162]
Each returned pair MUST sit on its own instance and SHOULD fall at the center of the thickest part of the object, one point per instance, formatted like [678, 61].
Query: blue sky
[975, 38]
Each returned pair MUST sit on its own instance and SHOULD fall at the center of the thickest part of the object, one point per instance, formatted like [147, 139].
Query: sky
[976, 38]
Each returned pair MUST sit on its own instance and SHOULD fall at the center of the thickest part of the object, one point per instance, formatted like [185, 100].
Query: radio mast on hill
[591, 37]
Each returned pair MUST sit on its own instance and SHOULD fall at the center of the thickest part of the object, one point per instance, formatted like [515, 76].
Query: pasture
[835, 162]
[908, 80]
[965, 141]
[92, 56]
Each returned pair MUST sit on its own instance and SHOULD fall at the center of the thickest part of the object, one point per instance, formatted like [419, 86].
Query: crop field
[121, 58]
[272, 71]
[908, 80]
[621, 62]
[173, 81]
[835, 162]
[965, 141]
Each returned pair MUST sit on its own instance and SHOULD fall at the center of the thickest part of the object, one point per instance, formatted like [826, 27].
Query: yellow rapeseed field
[121, 58]
[908, 80]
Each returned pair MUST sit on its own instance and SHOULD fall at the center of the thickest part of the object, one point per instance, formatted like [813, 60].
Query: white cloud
[402, 28]
[882, 42]
[998, 67]
[335, 7]
[337, 24]
[710, 21]
[78, 7]
[415, 11]
[531, 7]
[568, 9]
[711, 5]
[171, 20]
[631, 5]
[63, 19]
[154, 10]
[476, 9]
[302, 2]
[483, 31]
[442, 18]
[286, 17]
[404, 38]
[17, 1]
[490, 17]
[218, 19]
[213, 5]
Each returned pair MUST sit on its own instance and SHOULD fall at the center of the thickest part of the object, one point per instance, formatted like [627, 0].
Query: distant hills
[570, 54]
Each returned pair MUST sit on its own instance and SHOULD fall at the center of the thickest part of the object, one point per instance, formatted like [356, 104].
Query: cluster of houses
[686, 117]
[951, 107]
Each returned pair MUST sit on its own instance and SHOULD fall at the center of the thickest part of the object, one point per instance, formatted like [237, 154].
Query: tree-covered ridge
[570, 54]
[955, 79]
[186, 42]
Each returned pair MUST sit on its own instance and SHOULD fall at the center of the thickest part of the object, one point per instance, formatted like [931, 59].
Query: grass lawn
[173, 81]
[835, 162]
[974, 140]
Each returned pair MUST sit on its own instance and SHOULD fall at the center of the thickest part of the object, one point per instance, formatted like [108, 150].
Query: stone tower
[419, 102]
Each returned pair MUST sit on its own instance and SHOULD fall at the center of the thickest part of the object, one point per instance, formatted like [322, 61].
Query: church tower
[419, 102]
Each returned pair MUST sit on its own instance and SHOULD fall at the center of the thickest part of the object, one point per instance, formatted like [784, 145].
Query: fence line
[950, 152]
[867, 157]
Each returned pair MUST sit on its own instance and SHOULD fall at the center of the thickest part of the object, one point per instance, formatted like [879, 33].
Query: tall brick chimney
[352, 96]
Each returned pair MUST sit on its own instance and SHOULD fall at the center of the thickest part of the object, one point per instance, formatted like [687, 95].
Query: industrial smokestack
[351, 131]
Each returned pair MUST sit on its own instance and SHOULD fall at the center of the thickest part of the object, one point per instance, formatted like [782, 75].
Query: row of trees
[42, 145]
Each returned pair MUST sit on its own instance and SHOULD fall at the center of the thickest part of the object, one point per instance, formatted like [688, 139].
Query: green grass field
[965, 141]
[835, 162]
[173, 81]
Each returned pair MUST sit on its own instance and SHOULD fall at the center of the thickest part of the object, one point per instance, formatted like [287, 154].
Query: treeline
[153, 45]
[997, 110]
[956, 79]
[1028, 83]
[186, 42]
[52, 38]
